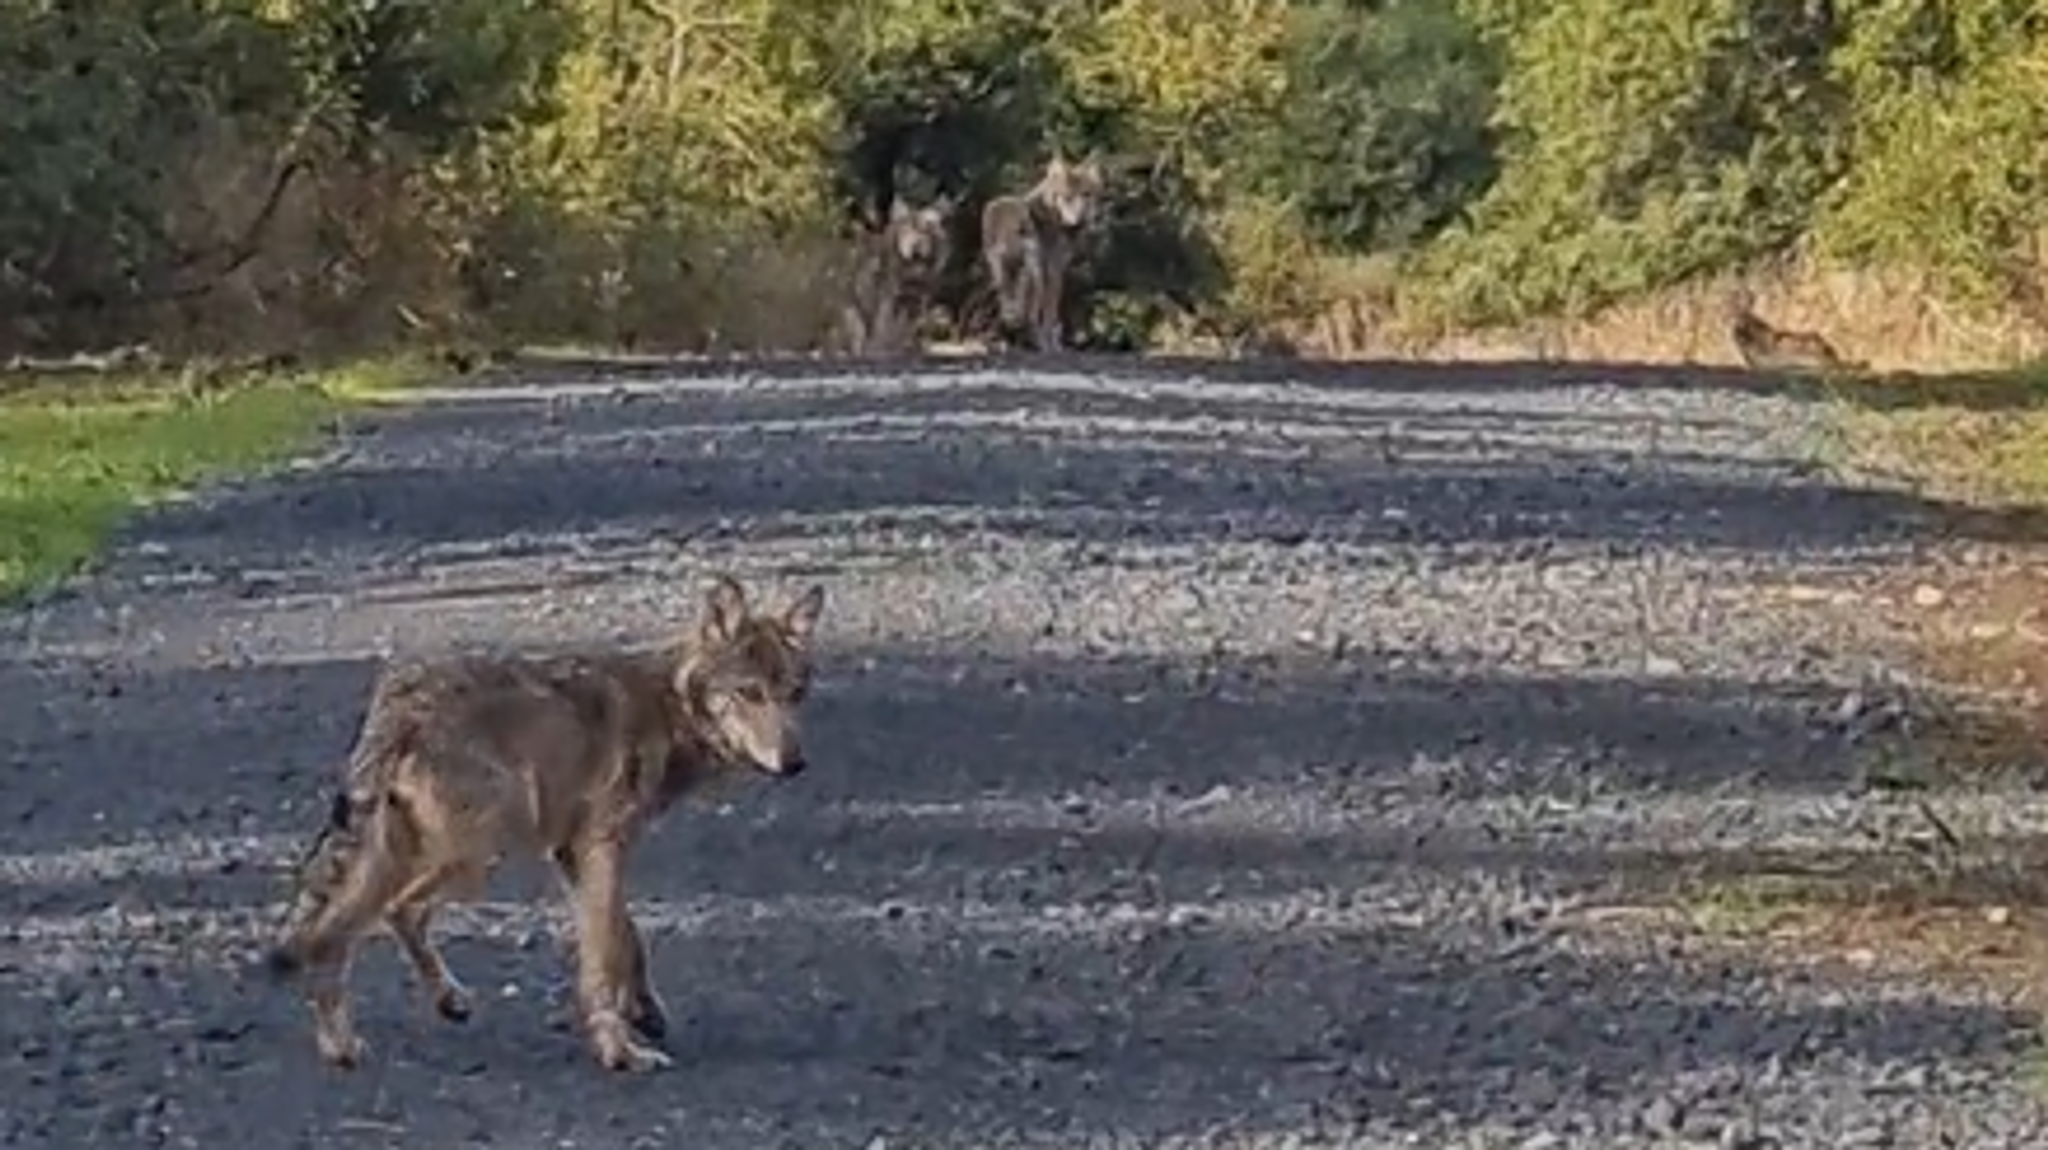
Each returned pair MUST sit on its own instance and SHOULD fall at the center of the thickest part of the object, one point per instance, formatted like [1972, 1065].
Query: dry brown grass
[1996, 950]
[1890, 321]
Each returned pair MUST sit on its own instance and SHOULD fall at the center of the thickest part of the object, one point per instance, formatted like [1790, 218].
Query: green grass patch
[1744, 905]
[379, 380]
[1975, 439]
[77, 455]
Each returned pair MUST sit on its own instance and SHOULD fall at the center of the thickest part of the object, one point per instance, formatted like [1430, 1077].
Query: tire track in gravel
[1201, 762]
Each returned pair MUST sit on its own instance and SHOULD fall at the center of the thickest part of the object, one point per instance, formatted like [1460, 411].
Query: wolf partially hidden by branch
[568, 757]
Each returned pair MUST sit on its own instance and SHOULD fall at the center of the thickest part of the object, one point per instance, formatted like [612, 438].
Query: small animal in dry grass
[898, 277]
[1767, 348]
[1029, 241]
[568, 757]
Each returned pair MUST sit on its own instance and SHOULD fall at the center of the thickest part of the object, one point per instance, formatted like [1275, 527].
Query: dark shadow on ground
[829, 1034]
[207, 751]
[2015, 390]
[1974, 390]
[1389, 375]
[1076, 465]
[953, 927]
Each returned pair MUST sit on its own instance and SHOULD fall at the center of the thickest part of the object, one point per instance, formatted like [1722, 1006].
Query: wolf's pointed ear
[802, 618]
[725, 608]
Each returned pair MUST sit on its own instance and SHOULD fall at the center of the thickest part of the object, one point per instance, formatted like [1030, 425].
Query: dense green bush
[151, 146]
[1386, 135]
[1645, 144]
[98, 120]
[685, 171]
[1946, 110]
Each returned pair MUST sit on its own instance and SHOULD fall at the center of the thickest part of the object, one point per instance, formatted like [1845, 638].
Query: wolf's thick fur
[463, 761]
[897, 277]
[1767, 348]
[1028, 242]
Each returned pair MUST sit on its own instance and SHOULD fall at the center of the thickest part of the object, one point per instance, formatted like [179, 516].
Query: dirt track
[1196, 762]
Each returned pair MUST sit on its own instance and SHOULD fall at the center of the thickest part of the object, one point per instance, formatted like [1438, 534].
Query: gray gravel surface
[1218, 761]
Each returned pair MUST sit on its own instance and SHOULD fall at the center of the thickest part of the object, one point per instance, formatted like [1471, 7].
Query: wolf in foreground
[1029, 240]
[463, 761]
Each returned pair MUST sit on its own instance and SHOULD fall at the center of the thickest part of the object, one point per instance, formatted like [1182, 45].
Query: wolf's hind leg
[323, 950]
[411, 923]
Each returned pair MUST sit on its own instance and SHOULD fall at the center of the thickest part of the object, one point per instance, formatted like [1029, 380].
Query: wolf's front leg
[888, 330]
[854, 327]
[1051, 296]
[644, 1008]
[610, 963]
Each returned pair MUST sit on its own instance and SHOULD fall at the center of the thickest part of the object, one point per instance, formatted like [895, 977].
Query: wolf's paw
[612, 1041]
[343, 1051]
[453, 1002]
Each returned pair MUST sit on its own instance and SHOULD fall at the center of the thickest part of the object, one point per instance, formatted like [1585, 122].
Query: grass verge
[1937, 894]
[77, 454]
[1979, 440]
[1976, 449]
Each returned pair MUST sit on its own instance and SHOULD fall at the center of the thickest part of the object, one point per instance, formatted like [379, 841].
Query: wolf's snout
[779, 757]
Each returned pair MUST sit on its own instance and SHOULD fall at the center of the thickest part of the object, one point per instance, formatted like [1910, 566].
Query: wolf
[463, 761]
[1767, 348]
[1028, 240]
[898, 276]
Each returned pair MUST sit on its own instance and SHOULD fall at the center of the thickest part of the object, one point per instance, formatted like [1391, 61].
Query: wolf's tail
[319, 873]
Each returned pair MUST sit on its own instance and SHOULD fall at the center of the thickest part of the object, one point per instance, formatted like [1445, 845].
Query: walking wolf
[569, 757]
[1028, 240]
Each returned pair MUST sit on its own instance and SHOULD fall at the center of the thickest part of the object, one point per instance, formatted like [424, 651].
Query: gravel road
[1200, 759]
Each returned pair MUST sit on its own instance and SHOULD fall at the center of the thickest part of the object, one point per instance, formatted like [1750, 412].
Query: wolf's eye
[752, 695]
